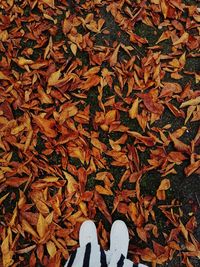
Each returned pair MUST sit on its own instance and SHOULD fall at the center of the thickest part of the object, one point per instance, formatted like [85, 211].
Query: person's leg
[89, 253]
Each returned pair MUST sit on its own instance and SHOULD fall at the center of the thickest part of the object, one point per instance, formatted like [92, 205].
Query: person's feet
[119, 238]
[88, 233]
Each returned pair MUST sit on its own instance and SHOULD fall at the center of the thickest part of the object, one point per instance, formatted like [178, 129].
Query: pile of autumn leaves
[59, 149]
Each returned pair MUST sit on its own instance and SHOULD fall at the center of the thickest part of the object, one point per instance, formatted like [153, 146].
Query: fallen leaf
[183, 39]
[133, 111]
[191, 102]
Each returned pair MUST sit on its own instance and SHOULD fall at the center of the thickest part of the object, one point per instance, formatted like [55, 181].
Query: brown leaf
[151, 105]
[100, 204]
[169, 89]
[148, 141]
[142, 234]
[113, 58]
[180, 146]
[90, 82]
[192, 168]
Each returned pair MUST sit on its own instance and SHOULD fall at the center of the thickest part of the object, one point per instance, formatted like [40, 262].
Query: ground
[99, 115]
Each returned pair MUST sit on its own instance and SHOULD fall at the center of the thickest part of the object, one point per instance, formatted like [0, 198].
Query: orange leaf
[104, 191]
[148, 141]
[82, 177]
[90, 82]
[46, 126]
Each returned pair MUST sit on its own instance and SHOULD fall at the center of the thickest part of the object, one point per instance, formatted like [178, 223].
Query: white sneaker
[119, 238]
[88, 233]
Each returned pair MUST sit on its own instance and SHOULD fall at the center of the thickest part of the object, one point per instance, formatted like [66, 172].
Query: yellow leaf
[83, 208]
[54, 77]
[133, 211]
[190, 110]
[4, 36]
[17, 129]
[68, 112]
[98, 144]
[164, 36]
[110, 116]
[73, 48]
[3, 76]
[191, 102]
[49, 3]
[50, 179]
[114, 145]
[164, 185]
[91, 72]
[51, 248]
[3, 198]
[28, 140]
[182, 60]
[49, 218]
[43, 97]
[7, 253]
[14, 216]
[164, 8]
[133, 111]
[77, 152]
[22, 199]
[183, 39]
[42, 226]
[72, 183]
[23, 61]
[183, 230]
